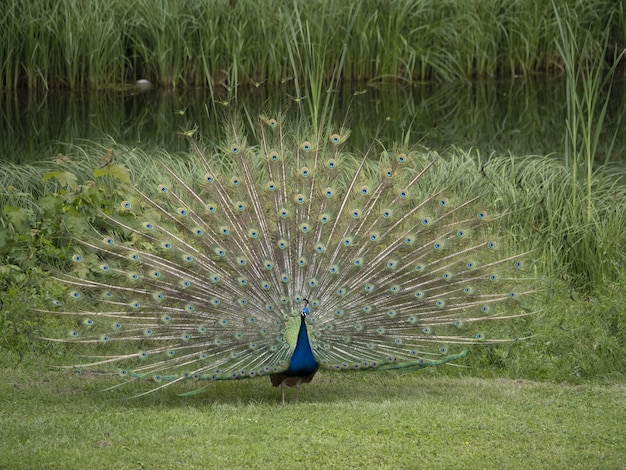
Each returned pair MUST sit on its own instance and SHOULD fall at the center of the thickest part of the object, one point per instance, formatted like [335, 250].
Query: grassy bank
[220, 44]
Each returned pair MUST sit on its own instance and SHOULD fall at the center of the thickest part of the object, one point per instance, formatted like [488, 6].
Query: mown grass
[74, 44]
[380, 420]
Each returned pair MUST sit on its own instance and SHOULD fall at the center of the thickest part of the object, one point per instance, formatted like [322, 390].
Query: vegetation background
[104, 43]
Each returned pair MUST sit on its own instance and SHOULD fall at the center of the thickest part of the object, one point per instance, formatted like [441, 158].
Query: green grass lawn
[59, 419]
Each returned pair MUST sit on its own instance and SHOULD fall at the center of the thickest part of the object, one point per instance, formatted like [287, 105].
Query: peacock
[278, 251]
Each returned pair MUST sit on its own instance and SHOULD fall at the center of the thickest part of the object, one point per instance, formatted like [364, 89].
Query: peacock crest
[279, 251]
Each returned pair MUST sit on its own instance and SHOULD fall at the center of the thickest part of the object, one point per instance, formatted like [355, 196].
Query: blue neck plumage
[302, 361]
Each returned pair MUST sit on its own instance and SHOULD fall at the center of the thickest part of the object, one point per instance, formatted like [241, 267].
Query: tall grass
[218, 43]
[589, 226]
[586, 254]
[587, 78]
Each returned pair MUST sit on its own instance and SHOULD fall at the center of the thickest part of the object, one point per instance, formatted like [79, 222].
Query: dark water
[524, 116]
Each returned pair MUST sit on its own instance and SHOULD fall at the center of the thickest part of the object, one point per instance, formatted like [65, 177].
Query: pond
[522, 116]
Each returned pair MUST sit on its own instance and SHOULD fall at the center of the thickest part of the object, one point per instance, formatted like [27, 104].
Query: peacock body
[285, 255]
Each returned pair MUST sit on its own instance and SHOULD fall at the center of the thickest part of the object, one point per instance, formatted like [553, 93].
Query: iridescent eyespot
[274, 156]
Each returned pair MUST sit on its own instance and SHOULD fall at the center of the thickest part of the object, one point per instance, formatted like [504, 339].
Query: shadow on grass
[36, 378]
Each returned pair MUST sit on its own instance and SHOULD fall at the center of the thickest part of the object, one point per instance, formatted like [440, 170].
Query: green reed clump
[578, 243]
[586, 80]
[218, 43]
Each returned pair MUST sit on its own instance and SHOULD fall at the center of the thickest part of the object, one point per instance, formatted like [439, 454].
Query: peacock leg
[298, 389]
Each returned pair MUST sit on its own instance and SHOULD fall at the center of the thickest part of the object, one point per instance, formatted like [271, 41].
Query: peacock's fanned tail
[203, 274]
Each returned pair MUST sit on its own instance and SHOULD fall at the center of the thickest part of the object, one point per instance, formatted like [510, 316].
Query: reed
[220, 44]
[587, 79]
[588, 224]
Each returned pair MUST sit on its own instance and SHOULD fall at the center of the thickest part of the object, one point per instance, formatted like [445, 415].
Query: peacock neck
[302, 361]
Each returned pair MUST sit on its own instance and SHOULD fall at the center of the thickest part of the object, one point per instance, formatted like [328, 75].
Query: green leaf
[116, 171]
[17, 216]
[65, 178]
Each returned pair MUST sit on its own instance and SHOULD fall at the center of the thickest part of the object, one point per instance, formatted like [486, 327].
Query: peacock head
[305, 309]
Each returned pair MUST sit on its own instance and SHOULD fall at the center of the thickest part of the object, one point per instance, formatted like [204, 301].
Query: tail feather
[203, 268]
